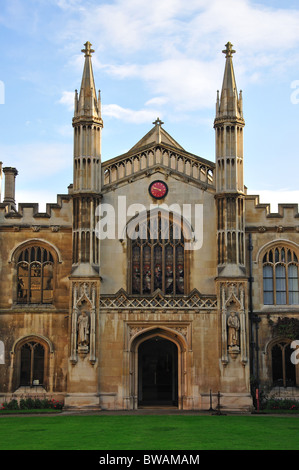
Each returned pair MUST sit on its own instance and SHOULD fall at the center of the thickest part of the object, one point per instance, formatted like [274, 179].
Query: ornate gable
[158, 151]
[157, 135]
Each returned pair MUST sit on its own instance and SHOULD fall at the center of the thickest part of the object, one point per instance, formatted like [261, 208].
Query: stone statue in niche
[83, 331]
[233, 333]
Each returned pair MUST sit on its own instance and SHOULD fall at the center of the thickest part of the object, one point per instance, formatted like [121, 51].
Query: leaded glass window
[158, 257]
[280, 277]
[35, 276]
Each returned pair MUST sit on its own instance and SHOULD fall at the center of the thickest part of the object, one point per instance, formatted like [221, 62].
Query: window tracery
[35, 271]
[158, 257]
[280, 276]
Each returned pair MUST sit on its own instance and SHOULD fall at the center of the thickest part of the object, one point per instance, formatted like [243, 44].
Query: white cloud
[39, 160]
[117, 112]
[69, 4]
[174, 46]
[192, 27]
[183, 82]
[129, 115]
[157, 101]
[68, 99]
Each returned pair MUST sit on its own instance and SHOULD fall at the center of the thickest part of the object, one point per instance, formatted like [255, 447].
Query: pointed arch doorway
[157, 372]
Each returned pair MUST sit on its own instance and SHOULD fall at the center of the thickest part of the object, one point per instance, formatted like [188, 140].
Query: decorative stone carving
[83, 331]
[233, 326]
[134, 330]
[170, 162]
[233, 321]
[183, 330]
[83, 321]
[122, 300]
[173, 329]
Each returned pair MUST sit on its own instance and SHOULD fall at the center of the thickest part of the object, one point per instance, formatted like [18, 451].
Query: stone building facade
[155, 281]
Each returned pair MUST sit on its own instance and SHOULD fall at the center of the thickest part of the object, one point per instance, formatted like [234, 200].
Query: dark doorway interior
[157, 373]
[283, 370]
[32, 364]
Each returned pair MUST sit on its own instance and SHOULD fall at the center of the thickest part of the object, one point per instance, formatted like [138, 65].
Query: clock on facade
[158, 189]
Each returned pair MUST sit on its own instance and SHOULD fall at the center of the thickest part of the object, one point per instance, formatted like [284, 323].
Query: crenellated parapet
[28, 214]
[259, 217]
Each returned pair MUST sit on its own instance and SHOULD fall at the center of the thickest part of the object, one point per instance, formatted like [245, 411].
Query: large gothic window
[158, 257]
[35, 276]
[280, 277]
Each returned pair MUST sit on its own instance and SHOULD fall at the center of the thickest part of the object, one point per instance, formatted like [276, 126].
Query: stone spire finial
[158, 122]
[229, 50]
[87, 51]
[229, 103]
[86, 103]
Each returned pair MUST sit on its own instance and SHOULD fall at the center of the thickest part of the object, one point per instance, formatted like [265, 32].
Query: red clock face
[158, 189]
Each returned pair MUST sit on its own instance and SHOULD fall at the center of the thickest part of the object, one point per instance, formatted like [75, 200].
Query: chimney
[9, 188]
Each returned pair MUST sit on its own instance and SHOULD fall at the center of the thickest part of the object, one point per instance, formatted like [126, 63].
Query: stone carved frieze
[83, 321]
[122, 300]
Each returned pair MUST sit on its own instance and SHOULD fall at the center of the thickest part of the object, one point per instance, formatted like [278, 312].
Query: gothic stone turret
[85, 277]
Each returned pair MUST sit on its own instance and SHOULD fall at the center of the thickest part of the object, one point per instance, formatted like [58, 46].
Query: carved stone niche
[233, 321]
[83, 321]
[83, 327]
[233, 328]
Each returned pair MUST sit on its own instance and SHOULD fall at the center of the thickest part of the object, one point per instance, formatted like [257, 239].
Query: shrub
[32, 403]
[23, 405]
[10, 405]
[284, 404]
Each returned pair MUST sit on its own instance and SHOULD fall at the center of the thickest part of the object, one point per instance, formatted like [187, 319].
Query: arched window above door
[157, 256]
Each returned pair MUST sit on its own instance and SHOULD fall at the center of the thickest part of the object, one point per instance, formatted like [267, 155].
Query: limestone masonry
[155, 281]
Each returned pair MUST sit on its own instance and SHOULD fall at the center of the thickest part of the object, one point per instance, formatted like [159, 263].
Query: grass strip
[167, 432]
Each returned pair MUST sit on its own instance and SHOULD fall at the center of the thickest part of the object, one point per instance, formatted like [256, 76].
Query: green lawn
[165, 432]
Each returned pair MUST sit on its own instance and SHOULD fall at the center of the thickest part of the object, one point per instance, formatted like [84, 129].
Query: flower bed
[32, 404]
[281, 404]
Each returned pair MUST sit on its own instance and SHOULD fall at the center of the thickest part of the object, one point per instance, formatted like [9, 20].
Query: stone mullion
[163, 266]
[174, 268]
[141, 267]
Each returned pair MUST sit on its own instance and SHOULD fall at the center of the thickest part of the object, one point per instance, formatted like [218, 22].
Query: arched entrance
[157, 372]
[32, 364]
[283, 370]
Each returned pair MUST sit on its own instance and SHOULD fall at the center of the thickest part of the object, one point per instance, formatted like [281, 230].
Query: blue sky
[160, 58]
